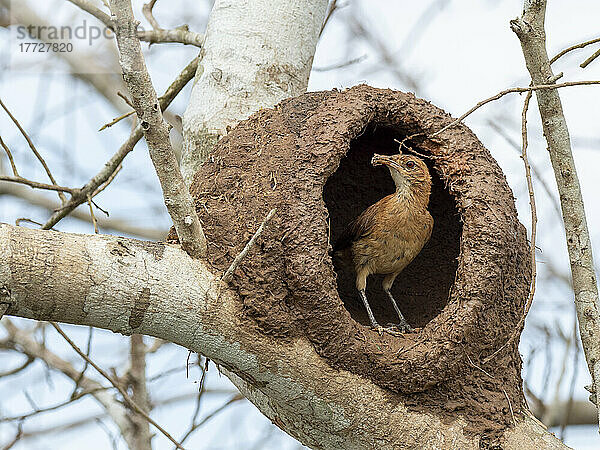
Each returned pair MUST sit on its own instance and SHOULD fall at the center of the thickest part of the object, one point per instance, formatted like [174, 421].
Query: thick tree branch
[131, 286]
[530, 30]
[177, 197]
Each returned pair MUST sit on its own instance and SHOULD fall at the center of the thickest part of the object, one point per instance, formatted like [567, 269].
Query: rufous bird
[389, 234]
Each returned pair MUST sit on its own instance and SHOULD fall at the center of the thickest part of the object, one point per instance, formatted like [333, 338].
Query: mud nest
[309, 158]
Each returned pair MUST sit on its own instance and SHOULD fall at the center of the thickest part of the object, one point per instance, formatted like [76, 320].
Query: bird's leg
[361, 285]
[387, 285]
[363, 297]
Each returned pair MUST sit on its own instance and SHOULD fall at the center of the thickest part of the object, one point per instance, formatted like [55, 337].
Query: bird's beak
[379, 160]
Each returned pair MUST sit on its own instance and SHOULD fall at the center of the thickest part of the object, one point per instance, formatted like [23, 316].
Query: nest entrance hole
[422, 290]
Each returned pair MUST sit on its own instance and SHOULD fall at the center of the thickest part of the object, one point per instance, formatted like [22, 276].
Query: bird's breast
[397, 236]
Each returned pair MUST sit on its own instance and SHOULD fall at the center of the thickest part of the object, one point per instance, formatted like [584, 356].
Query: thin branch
[20, 368]
[10, 157]
[538, 176]
[195, 426]
[529, 302]
[113, 163]
[136, 379]
[21, 341]
[178, 199]
[36, 185]
[134, 406]
[530, 30]
[42, 201]
[584, 64]
[238, 259]
[148, 14]
[88, 7]
[381, 46]
[333, 6]
[37, 411]
[573, 47]
[33, 149]
[116, 120]
[92, 215]
[512, 91]
[180, 35]
[340, 65]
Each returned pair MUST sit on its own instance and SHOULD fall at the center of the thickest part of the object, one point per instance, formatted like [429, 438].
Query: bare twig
[178, 35]
[42, 201]
[541, 86]
[571, 48]
[575, 371]
[36, 185]
[128, 400]
[333, 6]
[10, 157]
[88, 7]
[195, 426]
[21, 341]
[584, 64]
[33, 149]
[36, 411]
[529, 302]
[178, 199]
[340, 65]
[113, 163]
[116, 120]
[538, 176]
[381, 47]
[92, 215]
[238, 259]
[530, 30]
[148, 14]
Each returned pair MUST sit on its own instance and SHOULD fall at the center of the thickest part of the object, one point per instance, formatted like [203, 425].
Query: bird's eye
[410, 164]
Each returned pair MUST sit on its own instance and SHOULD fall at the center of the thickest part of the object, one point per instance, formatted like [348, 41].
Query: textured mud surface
[309, 158]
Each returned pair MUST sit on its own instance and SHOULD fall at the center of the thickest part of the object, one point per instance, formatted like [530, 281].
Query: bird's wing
[360, 227]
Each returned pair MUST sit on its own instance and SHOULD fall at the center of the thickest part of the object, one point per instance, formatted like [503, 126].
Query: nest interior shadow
[422, 290]
[309, 158]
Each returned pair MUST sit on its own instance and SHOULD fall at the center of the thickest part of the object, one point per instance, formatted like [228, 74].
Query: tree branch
[116, 225]
[530, 30]
[136, 378]
[177, 197]
[128, 400]
[113, 163]
[180, 35]
[116, 411]
[131, 286]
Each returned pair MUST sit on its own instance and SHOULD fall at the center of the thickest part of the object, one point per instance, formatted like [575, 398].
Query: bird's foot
[400, 328]
[390, 329]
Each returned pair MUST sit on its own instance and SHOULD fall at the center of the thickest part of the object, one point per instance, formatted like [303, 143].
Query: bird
[389, 234]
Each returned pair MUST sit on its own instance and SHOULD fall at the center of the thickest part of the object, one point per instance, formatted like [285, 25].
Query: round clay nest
[309, 158]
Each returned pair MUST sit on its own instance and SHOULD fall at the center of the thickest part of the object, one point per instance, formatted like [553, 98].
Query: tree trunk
[256, 53]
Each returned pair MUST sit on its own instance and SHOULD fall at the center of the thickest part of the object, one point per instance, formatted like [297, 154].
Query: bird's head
[408, 172]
